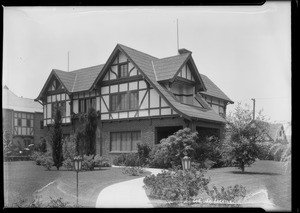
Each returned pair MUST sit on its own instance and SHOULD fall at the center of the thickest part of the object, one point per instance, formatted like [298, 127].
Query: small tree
[245, 138]
[56, 140]
[8, 146]
[90, 132]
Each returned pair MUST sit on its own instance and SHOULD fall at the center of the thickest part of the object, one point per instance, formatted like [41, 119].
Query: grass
[23, 179]
[270, 175]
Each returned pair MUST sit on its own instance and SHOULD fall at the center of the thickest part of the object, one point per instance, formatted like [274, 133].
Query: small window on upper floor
[123, 70]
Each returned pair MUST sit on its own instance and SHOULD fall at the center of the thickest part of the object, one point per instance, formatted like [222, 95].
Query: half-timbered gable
[125, 93]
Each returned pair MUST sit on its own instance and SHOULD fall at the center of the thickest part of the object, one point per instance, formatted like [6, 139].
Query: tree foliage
[246, 137]
[56, 140]
[86, 133]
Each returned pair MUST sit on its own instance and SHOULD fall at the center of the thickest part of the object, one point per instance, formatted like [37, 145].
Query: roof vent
[181, 51]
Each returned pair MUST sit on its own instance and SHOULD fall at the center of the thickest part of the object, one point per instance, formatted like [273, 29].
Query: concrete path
[127, 194]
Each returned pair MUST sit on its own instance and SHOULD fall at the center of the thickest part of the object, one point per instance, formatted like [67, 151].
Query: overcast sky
[244, 50]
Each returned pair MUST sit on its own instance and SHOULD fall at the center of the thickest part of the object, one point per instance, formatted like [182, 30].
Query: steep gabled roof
[144, 63]
[12, 101]
[166, 68]
[213, 90]
[75, 81]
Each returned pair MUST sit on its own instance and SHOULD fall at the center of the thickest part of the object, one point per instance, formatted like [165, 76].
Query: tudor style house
[22, 118]
[139, 98]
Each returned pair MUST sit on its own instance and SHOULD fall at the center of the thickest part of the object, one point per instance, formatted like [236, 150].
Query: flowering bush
[133, 171]
[143, 153]
[232, 194]
[88, 163]
[176, 185]
[128, 159]
[170, 150]
[100, 161]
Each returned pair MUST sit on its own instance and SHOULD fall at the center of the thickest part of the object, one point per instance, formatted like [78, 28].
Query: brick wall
[146, 126]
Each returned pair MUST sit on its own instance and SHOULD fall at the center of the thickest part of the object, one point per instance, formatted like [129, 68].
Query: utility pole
[253, 99]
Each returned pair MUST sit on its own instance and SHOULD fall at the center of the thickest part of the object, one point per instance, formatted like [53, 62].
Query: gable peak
[183, 50]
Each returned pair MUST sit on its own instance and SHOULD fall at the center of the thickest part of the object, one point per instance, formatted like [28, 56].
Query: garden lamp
[77, 166]
[186, 163]
[77, 163]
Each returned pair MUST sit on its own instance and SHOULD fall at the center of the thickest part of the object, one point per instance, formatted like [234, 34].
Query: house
[139, 98]
[22, 118]
[274, 132]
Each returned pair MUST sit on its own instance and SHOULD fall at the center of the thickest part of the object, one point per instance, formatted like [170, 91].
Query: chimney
[182, 51]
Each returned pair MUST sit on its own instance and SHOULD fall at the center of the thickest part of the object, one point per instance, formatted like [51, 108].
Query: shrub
[47, 161]
[100, 161]
[176, 185]
[232, 194]
[68, 164]
[209, 149]
[41, 146]
[88, 163]
[69, 148]
[133, 171]
[143, 153]
[128, 159]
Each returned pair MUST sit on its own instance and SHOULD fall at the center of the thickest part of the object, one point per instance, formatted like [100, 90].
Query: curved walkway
[125, 194]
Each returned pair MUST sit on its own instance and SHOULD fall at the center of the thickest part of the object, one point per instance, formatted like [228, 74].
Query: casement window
[86, 104]
[123, 70]
[124, 141]
[124, 101]
[59, 105]
[23, 123]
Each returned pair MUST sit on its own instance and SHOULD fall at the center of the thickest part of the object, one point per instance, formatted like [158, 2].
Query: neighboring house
[274, 131]
[139, 98]
[22, 118]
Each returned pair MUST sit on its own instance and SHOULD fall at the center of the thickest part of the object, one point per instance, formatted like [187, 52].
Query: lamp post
[186, 162]
[77, 167]
[186, 165]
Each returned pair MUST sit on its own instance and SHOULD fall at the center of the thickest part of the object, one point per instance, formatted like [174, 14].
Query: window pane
[113, 101]
[124, 101]
[118, 143]
[62, 107]
[136, 138]
[133, 100]
[113, 141]
[28, 122]
[19, 122]
[126, 141]
[123, 70]
[87, 105]
[81, 105]
[94, 103]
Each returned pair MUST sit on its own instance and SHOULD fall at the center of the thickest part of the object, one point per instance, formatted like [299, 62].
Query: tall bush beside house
[90, 132]
[56, 140]
[171, 150]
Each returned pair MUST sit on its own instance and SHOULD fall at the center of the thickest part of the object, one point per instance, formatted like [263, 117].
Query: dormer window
[123, 70]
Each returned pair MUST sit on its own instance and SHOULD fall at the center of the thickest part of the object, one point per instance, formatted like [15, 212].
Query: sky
[244, 50]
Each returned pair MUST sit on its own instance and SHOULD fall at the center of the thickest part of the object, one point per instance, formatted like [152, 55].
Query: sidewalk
[127, 194]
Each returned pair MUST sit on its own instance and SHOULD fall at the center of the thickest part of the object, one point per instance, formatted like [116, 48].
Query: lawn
[24, 179]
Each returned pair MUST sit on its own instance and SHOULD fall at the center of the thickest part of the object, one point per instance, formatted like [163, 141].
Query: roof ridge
[74, 82]
[85, 68]
[154, 70]
[138, 51]
[173, 56]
